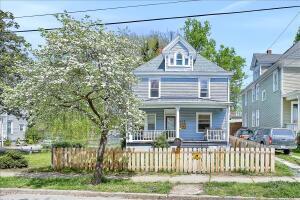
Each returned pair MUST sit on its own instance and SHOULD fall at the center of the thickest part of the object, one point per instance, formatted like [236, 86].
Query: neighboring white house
[12, 128]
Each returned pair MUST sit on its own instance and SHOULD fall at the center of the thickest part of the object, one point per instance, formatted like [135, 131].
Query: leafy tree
[199, 36]
[86, 70]
[297, 37]
[150, 48]
[12, 51]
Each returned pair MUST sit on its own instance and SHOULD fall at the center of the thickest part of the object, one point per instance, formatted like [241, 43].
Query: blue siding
[178, 87]
[189, 116]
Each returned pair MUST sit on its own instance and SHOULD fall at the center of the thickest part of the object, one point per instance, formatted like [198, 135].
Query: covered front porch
[291, 111]
[193, 125]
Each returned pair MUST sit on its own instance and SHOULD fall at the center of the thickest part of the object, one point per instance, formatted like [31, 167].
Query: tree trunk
[98, 174]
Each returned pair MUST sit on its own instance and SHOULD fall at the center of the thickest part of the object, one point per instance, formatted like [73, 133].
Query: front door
[170, 122]
[294, 113]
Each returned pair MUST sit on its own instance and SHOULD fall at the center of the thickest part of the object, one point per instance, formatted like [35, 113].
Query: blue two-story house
[184, 96]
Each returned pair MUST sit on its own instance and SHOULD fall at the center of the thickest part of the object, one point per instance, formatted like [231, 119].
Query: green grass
[39, 160]
[83, 183]
[282, 170]
[271, 189]
[288, 158]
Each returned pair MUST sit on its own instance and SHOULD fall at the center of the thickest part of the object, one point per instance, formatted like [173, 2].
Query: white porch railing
[151, 135]
[215, 135]
[292, 126]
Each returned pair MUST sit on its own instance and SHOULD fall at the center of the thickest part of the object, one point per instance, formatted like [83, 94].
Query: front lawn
[270, 189]
[83, 183]
[282, 170]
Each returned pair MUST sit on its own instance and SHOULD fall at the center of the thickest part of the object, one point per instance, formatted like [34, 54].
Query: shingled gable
[200, 64]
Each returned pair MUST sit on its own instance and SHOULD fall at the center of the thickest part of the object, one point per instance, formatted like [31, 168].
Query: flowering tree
[83, 69]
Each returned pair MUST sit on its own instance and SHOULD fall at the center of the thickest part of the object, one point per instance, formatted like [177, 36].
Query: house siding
[15, 132]
[270, 109]
[290, 81]
[179, 87]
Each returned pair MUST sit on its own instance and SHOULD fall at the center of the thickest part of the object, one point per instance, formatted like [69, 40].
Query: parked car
[279, 138]
[244, 133]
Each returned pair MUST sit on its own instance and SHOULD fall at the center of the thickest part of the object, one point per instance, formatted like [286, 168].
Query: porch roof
[292, 95]
[186, 102]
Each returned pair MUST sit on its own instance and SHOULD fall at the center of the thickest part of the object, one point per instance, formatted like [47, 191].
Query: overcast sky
[247, 33]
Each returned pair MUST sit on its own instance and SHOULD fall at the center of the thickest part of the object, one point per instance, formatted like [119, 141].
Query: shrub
[67, 145]
[161, 142]
[12, 159]
[32, 135]
[7, 142]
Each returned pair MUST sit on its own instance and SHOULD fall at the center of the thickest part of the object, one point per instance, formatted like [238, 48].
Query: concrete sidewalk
[198, 178]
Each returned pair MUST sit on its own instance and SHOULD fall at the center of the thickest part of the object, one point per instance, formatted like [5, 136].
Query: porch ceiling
[292, 95]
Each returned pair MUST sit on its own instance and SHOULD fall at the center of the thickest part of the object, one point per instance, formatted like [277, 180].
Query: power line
[109, 8]
[283, 31]
[175, 17]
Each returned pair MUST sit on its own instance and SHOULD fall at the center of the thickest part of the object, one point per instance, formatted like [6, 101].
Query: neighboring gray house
[184, 96]
[12, 128]
[273, 98]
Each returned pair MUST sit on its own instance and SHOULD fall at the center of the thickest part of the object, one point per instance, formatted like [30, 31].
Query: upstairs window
[204, 88]
[22, 127]
[275, 81]
[154, 88]
[257, 91]
[179, 59]
[253, 94]
[246, 98]
[263, 95]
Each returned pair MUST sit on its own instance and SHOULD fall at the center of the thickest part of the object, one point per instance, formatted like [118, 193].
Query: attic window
[179, 59]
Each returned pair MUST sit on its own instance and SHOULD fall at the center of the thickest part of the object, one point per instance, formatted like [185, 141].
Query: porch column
[177, 121]
[298, 122]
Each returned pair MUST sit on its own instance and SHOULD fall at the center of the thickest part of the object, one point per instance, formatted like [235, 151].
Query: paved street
[53, 197]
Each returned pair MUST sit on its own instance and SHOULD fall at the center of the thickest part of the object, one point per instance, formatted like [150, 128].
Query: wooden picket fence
[190, 160]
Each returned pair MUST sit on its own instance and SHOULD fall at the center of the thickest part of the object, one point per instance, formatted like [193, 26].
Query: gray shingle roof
[264, 58]
[201, 64]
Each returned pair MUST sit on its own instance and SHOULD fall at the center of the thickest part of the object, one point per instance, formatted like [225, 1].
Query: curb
[76, 193]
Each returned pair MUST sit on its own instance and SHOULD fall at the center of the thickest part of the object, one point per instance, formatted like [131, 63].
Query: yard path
[294, 167]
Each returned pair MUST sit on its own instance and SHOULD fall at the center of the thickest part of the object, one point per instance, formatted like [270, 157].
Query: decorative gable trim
[191, 50]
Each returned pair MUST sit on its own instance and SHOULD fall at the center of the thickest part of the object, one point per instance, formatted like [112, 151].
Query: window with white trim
[204, 85]
[245, 119]
[179, 59]
[275, 81]
[203, 121]
[263, 95]
[9, 127]
[246, 98]
[21, 127]
[154, 90]
[253, 118]
[257, 118]
[257, 92]
[151, 122]
[253, 94]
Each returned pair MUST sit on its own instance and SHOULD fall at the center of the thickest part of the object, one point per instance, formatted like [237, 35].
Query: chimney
[269, 51]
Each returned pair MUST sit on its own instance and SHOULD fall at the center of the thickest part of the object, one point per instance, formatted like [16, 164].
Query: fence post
[272, 160]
